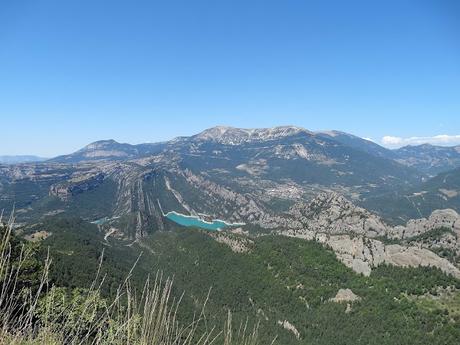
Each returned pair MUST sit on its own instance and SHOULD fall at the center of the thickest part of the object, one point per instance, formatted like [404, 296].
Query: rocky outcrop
[363, 254]
[438, 219]
[413, 257]
[333, 214]
[440, 232]
[354, 235]
[345, 295]
[358, 253]
[75, 185]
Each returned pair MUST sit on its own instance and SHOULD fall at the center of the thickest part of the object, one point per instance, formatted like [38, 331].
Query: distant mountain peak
[100, 144]
[100, 150]
[417, 147]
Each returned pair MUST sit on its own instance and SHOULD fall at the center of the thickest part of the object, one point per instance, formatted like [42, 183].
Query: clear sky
[76, 71]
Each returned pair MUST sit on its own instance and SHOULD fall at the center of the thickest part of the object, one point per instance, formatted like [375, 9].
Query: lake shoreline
[198, 219]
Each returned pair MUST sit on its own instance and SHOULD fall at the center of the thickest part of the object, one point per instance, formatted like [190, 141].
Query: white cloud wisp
[442, 140]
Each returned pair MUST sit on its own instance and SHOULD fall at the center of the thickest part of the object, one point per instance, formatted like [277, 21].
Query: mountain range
[427, 158]
[243, 175]
[321, 228]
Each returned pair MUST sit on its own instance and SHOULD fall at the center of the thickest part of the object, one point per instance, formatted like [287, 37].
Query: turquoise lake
[197, 222]
[101, 221]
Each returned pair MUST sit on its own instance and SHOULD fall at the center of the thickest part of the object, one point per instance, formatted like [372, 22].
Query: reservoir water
[101, 221]
[104, 220]
[192, 221]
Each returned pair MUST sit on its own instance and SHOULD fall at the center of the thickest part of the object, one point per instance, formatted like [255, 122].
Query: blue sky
[76, 71]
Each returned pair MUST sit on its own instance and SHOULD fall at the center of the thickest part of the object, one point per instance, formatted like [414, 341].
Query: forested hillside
[287, 285]
[439, 192]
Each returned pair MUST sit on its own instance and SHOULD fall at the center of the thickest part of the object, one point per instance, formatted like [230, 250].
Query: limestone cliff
[358, 237]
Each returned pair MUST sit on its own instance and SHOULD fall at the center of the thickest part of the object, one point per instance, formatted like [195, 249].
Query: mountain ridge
[242, 175]
[426, 158]
[429, 158]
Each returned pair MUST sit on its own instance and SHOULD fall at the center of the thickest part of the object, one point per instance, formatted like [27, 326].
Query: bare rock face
[358, 253]
[333, 214]
[76, 185]
[236, 136]
[351, 232]
[345, 295]
[413, 257]
[362, 254]
[440, 218]
[439, 232]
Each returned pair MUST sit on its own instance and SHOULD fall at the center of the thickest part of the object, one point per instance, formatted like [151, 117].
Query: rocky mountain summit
[237, 136]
